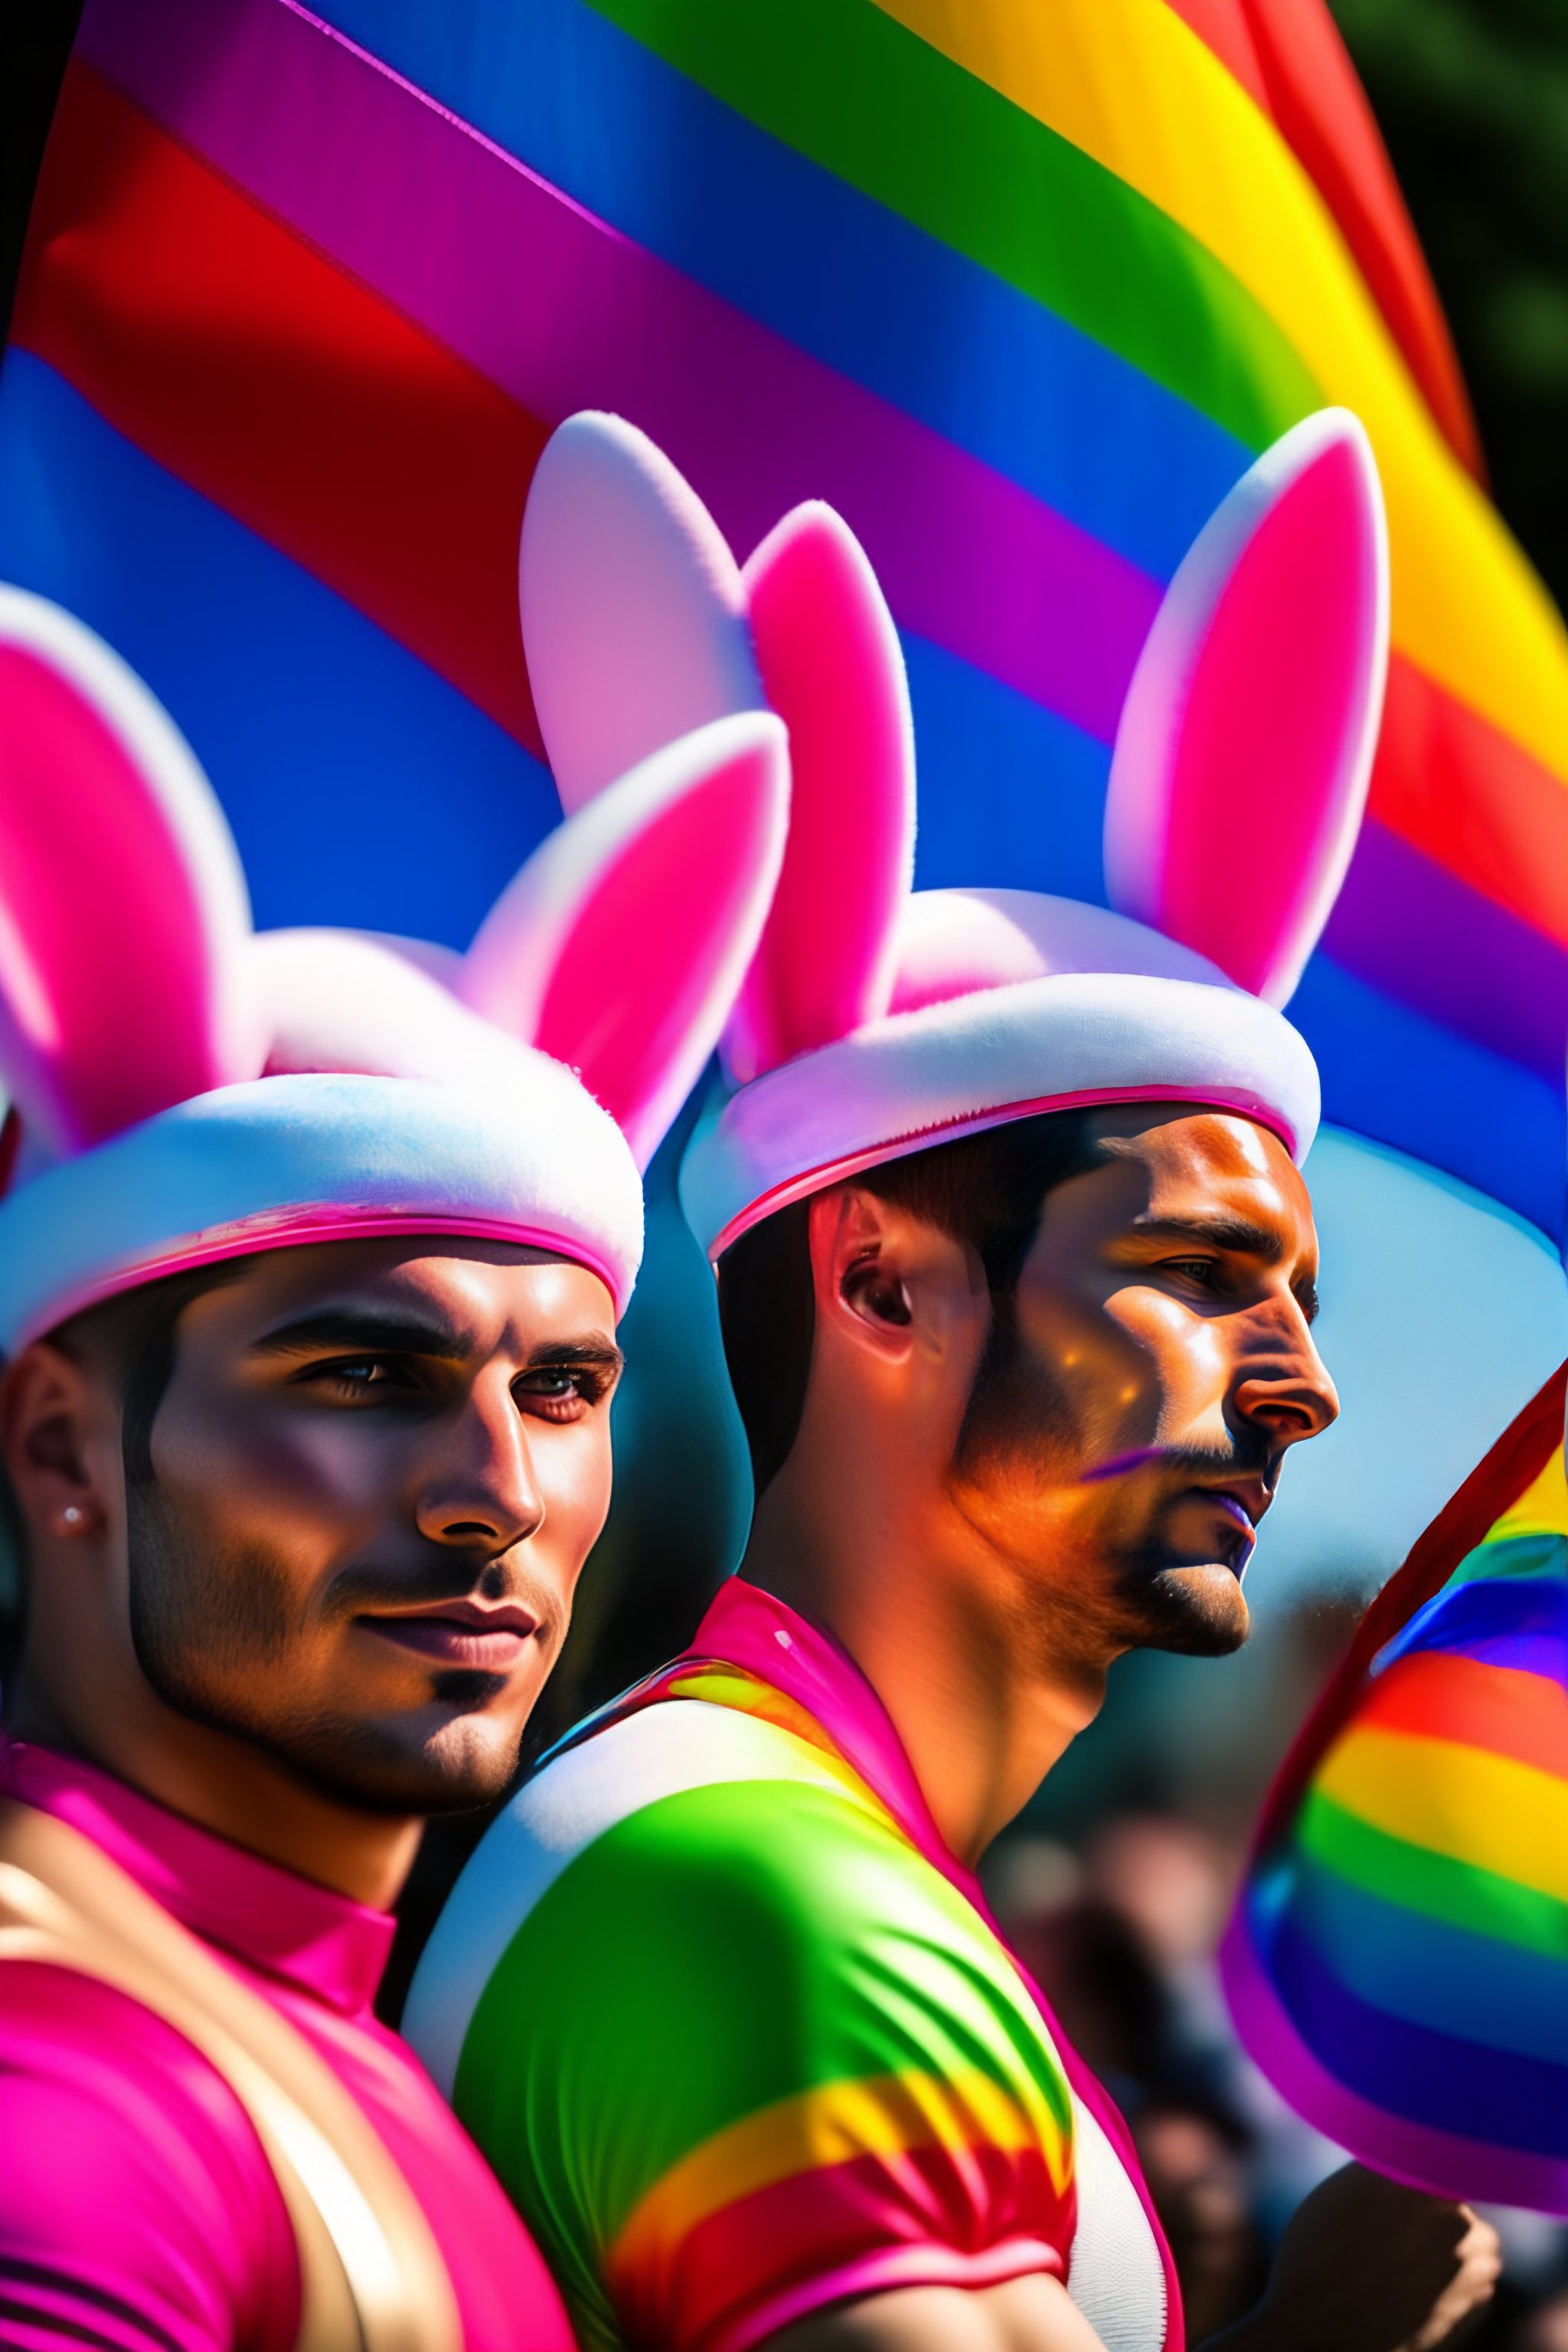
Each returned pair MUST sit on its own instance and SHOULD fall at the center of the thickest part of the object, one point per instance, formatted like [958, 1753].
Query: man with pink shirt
[310, 1273]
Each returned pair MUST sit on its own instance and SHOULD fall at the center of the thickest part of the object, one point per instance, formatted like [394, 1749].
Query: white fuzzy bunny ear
[620, 946]
[1245, 743]
[633, 612]
[834, 671]
[123, 915]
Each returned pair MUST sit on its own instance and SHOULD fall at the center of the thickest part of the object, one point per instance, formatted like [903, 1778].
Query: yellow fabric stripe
[816, 1759]
[1542, 1509]
[885, 2115]
[1489, 1811]
[1132, 85]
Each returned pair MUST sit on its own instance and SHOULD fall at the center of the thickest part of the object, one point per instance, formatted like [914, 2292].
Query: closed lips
[460, 1632]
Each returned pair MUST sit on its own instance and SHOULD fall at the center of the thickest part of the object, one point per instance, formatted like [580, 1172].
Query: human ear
[57, 1435]
[859, 1266]
[876, 1294]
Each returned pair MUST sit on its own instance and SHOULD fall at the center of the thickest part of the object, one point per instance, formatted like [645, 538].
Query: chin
[405, 1764]
[1194, 1611]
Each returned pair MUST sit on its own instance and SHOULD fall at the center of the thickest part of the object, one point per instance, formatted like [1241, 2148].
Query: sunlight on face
[378, 1470]
[1124, 1445]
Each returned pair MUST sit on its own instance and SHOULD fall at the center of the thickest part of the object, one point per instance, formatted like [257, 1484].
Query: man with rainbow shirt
[1015, 1279]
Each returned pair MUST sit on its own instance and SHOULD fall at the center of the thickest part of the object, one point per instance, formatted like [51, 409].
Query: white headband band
[928, 1076]
[322, 1158]
[182, 1089]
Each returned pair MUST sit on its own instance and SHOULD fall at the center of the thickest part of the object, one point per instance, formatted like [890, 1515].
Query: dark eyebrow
[349, 1328]
[592, 1350]
[1233, 1234]
[1220, 1233]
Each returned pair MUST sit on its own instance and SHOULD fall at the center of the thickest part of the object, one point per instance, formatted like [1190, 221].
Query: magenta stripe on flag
[1409, 927]
[564, 312]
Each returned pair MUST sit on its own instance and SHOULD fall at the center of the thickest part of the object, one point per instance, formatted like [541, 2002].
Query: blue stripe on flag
[362, 788]
[1439, 2079]
[1430, 1973]
[599, 116]
[1390, 1074]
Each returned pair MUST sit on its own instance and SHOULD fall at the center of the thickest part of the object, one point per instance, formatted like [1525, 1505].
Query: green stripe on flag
[1540, 1553]
[841, 82]
[1420, 1880]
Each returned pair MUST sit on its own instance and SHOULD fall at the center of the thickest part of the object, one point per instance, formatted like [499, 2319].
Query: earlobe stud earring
[72, 1518]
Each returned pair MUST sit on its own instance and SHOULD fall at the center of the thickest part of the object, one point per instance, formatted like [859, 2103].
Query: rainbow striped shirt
[738, 2037]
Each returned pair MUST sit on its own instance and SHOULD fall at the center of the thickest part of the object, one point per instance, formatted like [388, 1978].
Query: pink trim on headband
[951, 1130]
[271, 1229]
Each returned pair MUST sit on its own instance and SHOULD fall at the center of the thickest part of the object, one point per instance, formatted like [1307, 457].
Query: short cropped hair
[133, 1336]
[986, 1190]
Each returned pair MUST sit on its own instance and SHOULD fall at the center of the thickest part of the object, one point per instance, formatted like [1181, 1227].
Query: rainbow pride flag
[1021, 286]
[1397, 1962]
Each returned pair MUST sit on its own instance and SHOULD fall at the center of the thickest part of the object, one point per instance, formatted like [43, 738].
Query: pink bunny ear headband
[875, 1022]
[183, 1090]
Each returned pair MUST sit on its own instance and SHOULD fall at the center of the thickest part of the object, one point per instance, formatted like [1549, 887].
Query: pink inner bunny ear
[123, 915]
[1245, 743]
[834, 673]
[620, 946]
[633, 615]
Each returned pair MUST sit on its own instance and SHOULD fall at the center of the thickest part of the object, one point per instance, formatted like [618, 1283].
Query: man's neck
[932, 1622]
[228, 1785]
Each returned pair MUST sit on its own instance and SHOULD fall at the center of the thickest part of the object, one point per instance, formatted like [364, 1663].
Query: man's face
[378, 1469]
[1128, 1425]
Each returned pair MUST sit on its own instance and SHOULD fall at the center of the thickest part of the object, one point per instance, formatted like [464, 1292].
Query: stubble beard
[213, 1633]
[1020, 1428]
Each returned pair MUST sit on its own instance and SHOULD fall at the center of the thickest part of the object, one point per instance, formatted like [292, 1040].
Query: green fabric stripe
[1510, 1556]
[842, 83]
[1434, 1884]
[712, 1954]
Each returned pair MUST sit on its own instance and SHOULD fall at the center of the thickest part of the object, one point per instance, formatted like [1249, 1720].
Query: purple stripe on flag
[1410, 2069]
[1505, 1620]
[1408, 927]
[564, 312]
[1444, 2162]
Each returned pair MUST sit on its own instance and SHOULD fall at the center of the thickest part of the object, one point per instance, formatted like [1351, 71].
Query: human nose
[480, 1491]
[1283, 1384]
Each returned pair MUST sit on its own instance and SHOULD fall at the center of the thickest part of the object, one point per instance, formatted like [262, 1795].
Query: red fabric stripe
[1221, 26]
[1289, 58]
[1440, 1697]
[280, 388]
[1472, 800]
[272, 382]
[1316, 100]
[931, 2215]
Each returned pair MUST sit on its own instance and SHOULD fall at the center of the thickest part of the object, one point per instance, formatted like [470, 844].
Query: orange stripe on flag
[1474, 1705]
[1472, 800]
